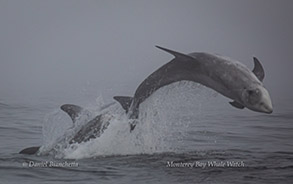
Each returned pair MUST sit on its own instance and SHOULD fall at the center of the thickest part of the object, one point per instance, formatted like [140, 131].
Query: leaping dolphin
[224, 75]
[90, 130]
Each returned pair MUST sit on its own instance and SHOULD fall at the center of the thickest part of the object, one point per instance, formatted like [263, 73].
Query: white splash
[163, 120]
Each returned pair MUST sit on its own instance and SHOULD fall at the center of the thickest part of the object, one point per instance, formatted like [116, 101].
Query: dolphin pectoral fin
[258, 69]
[177, 55]
[72, 110]
[30, 150]
[237, 105]
[125, 101]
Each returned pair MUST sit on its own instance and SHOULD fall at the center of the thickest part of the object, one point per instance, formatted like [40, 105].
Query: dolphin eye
[253, 92]
[253, 96]
[250, 92]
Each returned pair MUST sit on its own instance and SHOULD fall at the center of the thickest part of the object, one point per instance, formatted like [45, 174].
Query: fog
[89, 47]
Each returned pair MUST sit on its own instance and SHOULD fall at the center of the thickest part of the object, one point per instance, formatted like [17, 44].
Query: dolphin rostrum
[226, 76]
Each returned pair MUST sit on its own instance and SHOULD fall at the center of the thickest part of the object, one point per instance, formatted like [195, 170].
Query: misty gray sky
[66, 45]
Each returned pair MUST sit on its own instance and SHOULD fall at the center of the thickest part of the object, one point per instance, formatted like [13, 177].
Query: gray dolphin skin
[90, 130]
[224, 75]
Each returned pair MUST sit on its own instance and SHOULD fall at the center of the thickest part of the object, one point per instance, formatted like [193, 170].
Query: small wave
[3, 105]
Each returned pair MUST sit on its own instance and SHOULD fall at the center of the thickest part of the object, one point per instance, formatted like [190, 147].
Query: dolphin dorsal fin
[177, 55]
[125, 101]
[258, 69]
[72, 110]
[30, 150]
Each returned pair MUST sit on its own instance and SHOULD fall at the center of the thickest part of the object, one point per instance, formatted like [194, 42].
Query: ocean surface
[186, 134]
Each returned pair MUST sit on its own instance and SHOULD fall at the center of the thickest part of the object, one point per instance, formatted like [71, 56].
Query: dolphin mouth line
[269, 111]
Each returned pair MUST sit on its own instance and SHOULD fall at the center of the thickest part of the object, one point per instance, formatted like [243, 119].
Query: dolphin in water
[93, 129]
[224, 75]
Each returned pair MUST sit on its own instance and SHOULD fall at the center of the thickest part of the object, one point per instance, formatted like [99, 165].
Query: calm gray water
[186, 130]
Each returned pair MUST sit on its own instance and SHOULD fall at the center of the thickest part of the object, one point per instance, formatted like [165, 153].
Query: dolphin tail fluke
[177, 55]
[258, 69]
[30, 150]
[125, 101]
[72, 110]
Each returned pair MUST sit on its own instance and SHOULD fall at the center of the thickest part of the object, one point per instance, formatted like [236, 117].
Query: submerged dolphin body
[226, 76]
[90, 130]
